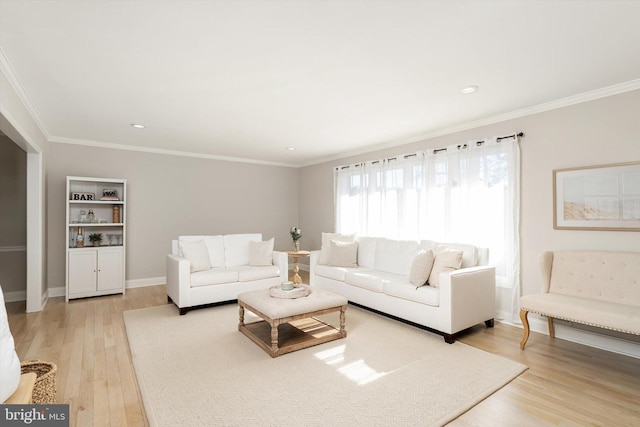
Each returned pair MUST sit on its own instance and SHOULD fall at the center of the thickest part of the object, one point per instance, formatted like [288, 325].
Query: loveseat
[444, 287]
[210, 269]
[596, 288]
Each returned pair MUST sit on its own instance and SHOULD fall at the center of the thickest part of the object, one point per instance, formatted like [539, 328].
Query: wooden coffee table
[289, 324]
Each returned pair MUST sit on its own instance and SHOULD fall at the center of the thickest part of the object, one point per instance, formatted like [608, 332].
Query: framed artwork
[605, 197]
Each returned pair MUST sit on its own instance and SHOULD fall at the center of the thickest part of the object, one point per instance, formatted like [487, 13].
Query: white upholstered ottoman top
[277, 308]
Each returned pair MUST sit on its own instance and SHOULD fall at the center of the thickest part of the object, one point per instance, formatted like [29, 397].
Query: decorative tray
[298, 291]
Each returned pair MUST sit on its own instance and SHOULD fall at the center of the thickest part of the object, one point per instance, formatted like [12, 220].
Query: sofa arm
[469, 294]
[281, 259]
[179, 280]
[314, 256]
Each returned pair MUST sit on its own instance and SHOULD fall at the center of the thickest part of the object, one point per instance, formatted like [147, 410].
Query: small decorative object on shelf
[296, 234]
[91, 217]
[83, 196]
[116, 215]
[95, 238]
[79, 238]
[109, 194]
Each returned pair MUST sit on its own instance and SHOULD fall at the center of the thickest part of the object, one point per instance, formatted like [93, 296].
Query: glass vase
[296, 246]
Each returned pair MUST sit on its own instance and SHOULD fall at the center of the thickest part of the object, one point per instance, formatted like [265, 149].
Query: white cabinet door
[82, 271]
[110, 274]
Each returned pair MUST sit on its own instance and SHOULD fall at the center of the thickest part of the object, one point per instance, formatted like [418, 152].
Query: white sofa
[226, 266]
[381, 281]
[596, 288]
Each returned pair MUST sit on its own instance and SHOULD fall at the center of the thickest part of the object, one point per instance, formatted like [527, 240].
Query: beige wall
[169, 196]
[13, 216]
[602, 131]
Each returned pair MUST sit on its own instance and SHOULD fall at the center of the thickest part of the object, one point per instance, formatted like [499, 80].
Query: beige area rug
[198, 370]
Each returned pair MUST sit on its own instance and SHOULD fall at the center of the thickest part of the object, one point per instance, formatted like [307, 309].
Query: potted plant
[296, 234]
[95, 238]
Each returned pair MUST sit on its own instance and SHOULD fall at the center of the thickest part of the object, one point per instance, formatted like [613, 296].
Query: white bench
[595, 288]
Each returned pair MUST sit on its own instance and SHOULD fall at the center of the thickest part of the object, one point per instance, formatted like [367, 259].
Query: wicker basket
[44, 391]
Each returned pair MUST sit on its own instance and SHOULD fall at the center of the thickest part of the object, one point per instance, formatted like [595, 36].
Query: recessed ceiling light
[291, 148]
[137, 126]
[469, 89]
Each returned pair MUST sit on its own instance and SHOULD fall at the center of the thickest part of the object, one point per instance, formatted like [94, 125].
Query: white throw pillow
[421, 268]
[197, 253]
[325, 249]
[343, 254]
[261, 253]
[445, 260]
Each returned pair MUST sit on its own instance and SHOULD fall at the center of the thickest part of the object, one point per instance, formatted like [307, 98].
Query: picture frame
[601, 197]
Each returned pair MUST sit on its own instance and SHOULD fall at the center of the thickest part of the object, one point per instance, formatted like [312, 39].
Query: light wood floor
[566, 384]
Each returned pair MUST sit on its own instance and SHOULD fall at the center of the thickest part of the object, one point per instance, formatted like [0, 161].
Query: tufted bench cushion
[278, 308]
[596, 288]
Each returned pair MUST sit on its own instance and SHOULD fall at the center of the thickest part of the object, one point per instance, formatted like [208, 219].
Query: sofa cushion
[367, 251]
[261, 253]
[236, 248]
[343, 254]
[445, 260]
[197, 254]
[215, 246]
[421, 268]
[214, 276]
[325, 247]
[425, 295]
[371, 279]
[335, 273]
[395, 256]
[247, 273]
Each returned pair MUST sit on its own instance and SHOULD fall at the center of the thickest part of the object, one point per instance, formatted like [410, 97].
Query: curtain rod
[437, 150]
[479, 143]
[519, 135]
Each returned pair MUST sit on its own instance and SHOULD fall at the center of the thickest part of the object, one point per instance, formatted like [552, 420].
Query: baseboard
[591, 339]
[15, 296]
[57, 292]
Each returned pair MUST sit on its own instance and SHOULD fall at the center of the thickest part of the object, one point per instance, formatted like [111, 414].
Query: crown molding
[99, 144]
[12, 78]
[536, 109]
[7, 69]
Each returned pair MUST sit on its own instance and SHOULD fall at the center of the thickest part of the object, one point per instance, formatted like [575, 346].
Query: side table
[295, 255]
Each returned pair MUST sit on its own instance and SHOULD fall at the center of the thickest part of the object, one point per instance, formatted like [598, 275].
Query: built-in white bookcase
[95, 269]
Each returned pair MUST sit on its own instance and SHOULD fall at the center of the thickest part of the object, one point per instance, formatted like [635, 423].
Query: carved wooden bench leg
[552, 332]
[274, 338]
[525, 323]
[241, 317]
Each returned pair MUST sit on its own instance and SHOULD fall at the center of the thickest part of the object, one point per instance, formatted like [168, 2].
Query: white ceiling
[247, 79]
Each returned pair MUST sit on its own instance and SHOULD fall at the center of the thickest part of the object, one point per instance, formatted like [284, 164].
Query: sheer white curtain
[464, 194]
